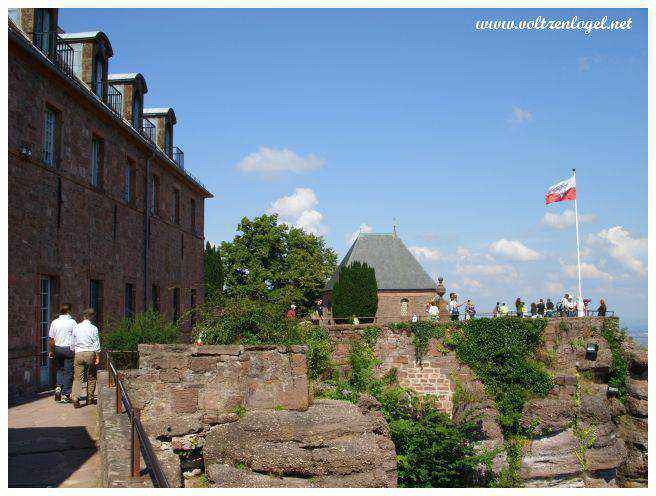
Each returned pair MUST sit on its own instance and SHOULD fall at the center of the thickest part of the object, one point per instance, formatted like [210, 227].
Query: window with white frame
[96, 161]
[49, 128]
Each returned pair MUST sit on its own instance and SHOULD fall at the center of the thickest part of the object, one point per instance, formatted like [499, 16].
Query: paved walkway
[52, 444]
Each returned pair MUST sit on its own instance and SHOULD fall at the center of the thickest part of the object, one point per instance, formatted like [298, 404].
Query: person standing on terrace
[86, 343]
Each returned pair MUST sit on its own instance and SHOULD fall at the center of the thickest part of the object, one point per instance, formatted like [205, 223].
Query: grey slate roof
[395, 266]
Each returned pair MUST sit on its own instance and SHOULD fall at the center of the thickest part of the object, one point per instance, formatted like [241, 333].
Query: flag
[564, 190]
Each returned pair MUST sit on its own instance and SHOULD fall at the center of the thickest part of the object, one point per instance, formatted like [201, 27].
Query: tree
[356, 292]
[213, 272]
[276, 263]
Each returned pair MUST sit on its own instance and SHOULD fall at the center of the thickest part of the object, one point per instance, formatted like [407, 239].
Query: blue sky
[347, 118]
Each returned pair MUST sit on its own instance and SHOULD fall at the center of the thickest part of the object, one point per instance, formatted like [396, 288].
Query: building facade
[404, 287]
[102, 212]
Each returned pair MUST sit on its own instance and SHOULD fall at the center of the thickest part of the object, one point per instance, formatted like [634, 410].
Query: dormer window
[98, 76]
[167, 140]
[137, 109]
[42, 30]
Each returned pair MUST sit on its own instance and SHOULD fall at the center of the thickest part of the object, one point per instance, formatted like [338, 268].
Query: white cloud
[298, 210]
[588, 271]
[364, 228]
[514, 250]
[312, 221]
[622, 247]
[498, 270]
[472, 283]
[426, 253]
[520, 116]
[295, 204]
[565, 219]
[555, 288]
[269, 161]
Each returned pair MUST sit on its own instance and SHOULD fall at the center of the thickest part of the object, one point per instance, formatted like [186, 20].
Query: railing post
[110, 375]
[119, 391]
[135, 448]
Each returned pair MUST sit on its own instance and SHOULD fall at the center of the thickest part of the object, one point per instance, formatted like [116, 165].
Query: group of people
[566, 307]
[75, 348]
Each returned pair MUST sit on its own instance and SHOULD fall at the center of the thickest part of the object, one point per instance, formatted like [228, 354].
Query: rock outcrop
[584, 437]
[332, 444]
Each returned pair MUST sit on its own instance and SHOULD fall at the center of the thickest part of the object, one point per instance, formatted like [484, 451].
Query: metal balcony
[148, 130]
[178, 157]
[56, 49]
[115, 99]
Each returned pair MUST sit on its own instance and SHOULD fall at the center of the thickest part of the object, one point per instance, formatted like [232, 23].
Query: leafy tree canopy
[276, 263]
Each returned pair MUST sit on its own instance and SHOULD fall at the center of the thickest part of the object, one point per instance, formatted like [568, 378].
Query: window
[96, 299]
[192, 213]
[45, 315]
[136, 110]
[50, 120]
[175, 207]
[192, 305]
[154, 194]
[154, 297]
[181, 246]
[175, 303]
[97, 149]
[98, 75]
[130, 181]
[167, 140]
[42, 34]
[129, 301]
[404, 307]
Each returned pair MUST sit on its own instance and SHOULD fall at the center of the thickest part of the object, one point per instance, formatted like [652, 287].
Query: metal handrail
[140, 442]
[178, 157]
[114, 99]
[148, 130]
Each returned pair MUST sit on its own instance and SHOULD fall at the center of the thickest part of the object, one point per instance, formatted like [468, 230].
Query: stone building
[102, 211]
[404, 287]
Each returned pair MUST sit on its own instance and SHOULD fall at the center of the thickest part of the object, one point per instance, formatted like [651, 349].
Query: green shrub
[145, 327]
[245, 321]
[619, 368]
[356, 292]
[422, 332]
[432, 450]
[501, 352]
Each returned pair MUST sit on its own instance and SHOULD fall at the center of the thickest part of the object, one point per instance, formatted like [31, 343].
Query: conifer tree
[356, 292]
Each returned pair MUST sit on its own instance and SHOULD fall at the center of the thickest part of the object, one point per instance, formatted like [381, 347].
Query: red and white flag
[562, 191]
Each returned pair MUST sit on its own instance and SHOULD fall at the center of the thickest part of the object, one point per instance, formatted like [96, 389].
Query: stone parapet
[185, 389]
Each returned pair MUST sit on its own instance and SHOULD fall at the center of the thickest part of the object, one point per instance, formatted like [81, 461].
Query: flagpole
[578, 247]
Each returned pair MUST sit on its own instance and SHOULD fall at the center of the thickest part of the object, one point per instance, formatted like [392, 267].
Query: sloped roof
[395, 266]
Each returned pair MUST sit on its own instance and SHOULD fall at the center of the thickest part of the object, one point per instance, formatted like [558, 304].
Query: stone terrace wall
[184, 389]
[396, 351]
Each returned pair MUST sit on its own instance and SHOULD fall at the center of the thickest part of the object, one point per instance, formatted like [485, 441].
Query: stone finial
[441, 290]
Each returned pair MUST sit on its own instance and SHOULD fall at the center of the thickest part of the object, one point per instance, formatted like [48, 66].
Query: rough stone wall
[84, 244]
[184, 389]
[389, 305]
[395, 351]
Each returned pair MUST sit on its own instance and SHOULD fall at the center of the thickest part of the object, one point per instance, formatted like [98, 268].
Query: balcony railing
[115, 99]
[148, 130]
[56, 49]
[178, 157]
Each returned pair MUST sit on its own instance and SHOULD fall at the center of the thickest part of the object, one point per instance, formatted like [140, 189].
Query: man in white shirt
[61, 351]
[86, 343]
